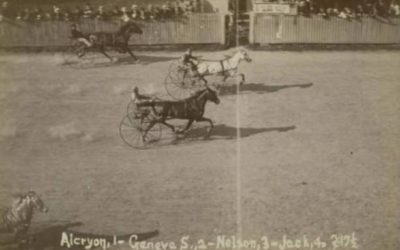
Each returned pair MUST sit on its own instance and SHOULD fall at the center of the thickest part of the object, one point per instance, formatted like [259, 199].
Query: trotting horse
[227, 67]
[191, 109]
[118, 40]
[17, 218]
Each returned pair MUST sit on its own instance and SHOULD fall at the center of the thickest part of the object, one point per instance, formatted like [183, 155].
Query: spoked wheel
[132, 132]
[180, 82]
[131, 109]
[76, 55]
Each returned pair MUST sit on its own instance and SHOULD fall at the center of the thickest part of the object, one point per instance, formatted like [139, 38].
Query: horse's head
[35, 202]
[212, 95]
[242, 54]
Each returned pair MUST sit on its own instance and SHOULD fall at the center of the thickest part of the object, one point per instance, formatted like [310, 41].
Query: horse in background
[17, 218]
[117, 40]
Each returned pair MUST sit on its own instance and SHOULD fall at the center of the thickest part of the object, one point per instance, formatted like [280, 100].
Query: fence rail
[275, 29]
[197, 29]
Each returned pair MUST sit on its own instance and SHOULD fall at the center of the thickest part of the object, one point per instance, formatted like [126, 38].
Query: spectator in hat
[5, 10]
[26, 15]
[143, 14]
[19, 16]
[76, 14]
[394, 9]
[87, 11]
[100, 13]
[67, 16]
[57, 13]
[359, 12]
[116, 12]
[124, 15]
[134, 12]
[37, 14]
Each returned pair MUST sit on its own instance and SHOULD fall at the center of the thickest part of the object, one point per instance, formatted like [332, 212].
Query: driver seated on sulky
[78, 35]
[190, 61]
[136, 97]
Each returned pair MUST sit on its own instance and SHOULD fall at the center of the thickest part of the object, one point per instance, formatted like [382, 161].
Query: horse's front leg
[226, 76]
[131, 53]
[103, 51]
[243, 79]
[204, 119]
[239, 75]
[188, 125]
[20, 234]
[201, 77]
[168, 125]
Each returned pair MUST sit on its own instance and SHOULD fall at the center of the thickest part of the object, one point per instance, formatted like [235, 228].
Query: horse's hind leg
[151, 124]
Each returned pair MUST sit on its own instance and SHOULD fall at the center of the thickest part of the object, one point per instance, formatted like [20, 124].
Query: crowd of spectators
[169, 10]
[348, 9]
[173, 9]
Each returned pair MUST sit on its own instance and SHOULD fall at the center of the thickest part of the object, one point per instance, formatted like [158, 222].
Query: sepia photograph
[200, 124]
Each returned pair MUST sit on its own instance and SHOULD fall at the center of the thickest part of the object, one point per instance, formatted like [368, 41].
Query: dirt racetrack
[318, 150]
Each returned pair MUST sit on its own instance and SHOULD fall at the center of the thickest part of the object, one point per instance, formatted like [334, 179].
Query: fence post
[222, 31]
[251, 28]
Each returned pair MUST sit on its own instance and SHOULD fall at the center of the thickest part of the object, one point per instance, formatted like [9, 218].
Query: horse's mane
[197, 93]
[17, 198]
[122, 31]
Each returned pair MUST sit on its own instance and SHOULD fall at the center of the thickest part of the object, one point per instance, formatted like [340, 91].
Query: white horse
[17, 218]
[227, 67]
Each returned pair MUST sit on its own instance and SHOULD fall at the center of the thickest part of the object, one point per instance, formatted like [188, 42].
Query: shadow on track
[97, 61]
[223, 132]
[259, 88]
[144, 60]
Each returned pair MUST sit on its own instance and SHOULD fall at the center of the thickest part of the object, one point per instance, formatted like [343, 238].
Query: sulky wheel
[132, 132]
[74, 51]
[179, 82]
[74, 55]
[131, 109]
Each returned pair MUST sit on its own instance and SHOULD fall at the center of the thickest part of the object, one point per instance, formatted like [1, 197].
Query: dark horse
[17, 218]
[118, 40]
[191, 109]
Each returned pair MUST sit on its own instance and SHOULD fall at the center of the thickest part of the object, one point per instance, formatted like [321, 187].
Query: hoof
[207, 136]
